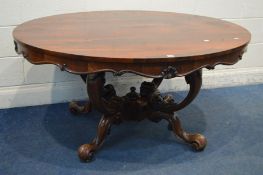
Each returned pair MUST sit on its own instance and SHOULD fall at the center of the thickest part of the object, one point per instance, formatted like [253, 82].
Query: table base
[148, 104]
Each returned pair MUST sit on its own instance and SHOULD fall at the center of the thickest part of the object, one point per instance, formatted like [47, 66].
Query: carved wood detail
[182, 45]
[148, 103]
[178, 66]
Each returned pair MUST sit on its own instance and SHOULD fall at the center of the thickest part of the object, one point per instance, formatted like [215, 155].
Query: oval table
[159, 45]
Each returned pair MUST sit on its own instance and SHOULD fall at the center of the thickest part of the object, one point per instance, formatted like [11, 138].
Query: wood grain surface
[89, 42]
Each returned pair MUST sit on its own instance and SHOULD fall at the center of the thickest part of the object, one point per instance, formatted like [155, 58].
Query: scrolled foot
[86, 152]
[198, 142]
[77, 109]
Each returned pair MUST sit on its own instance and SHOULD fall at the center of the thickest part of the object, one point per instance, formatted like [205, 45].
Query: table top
[131, 37]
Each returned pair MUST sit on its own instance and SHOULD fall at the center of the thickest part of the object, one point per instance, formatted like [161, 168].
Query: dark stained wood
[147, 104]
[75, 108]
[87, 151]
[91, 42]
[160, 45]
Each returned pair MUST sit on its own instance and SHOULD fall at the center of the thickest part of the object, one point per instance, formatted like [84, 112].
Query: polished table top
[94, 41]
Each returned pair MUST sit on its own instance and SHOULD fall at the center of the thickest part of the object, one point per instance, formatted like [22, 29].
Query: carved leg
[76, 108]
[166, 108]
[98, 95]
[198, 141]
[87, 151]
[195, 82]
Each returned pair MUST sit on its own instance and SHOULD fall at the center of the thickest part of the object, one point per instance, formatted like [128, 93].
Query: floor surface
[43, 139]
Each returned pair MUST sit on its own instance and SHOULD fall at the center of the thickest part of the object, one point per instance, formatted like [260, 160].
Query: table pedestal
[147, 104]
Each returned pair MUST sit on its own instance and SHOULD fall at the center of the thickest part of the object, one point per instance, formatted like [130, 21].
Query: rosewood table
[159, 45]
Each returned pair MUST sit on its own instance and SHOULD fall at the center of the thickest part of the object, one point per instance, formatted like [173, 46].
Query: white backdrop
[23, 84]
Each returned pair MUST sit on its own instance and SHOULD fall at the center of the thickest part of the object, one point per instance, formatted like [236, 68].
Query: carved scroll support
[76, 108]
[195, 82]
[148, 103]
[86, 151]
[197, 140]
